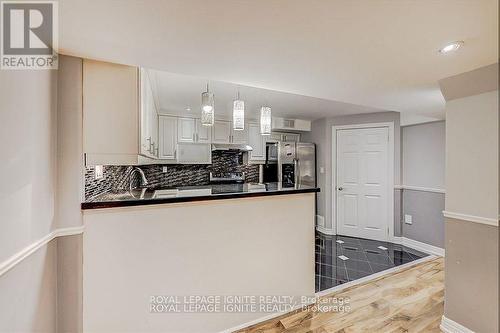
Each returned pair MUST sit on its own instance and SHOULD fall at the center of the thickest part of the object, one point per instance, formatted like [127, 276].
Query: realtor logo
[29, 35]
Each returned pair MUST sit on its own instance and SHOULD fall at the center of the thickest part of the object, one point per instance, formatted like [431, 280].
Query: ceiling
[181, 95]
[381, 54]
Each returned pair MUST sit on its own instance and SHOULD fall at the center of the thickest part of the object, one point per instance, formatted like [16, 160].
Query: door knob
[340, 188]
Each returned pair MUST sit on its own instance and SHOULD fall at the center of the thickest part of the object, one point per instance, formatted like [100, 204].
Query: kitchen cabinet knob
[341, 188]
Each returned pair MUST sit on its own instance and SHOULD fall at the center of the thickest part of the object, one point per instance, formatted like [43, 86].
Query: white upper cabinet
[186, 130]
[111, 113]
[149, 118]
[168, 138]
[221, 131]
[257, 142]
[240, 136]
[203, 133]
[191, 130]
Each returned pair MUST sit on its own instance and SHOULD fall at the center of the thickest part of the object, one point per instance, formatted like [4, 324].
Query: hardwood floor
[411, 300]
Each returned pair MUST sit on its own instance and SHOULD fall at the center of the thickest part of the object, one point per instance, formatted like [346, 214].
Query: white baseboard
[326, 231]
[450, 326]
[427, 248]
[8, 264]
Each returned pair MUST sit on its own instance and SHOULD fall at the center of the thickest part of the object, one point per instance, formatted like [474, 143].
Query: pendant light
[207, 108]
[238, 113]
[265, 120]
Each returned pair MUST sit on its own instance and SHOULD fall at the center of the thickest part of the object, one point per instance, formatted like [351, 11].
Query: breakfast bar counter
[140, 197]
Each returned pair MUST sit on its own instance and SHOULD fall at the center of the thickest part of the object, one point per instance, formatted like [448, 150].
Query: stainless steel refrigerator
[297, 164]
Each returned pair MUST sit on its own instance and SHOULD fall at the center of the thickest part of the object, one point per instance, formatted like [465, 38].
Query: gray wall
[472, 189]
[321, 134]
[423, 166]
[423, 155]
[419, 161]
[426, 209]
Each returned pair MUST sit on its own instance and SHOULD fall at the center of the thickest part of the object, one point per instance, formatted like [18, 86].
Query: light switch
[164, 169]
[321, 170]
[408, 219]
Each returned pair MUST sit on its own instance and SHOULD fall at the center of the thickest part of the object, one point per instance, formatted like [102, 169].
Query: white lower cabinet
[257, 142]
[168, 138]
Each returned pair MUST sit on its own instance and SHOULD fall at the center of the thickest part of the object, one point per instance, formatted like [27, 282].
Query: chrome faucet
[144, 181]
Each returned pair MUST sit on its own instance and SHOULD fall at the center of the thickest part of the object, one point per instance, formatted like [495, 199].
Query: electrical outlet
[164, 169]
[99, 172]
[408, 219]
[321, 170]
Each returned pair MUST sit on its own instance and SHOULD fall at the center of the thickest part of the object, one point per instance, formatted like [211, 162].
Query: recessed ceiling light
[188, 109]
[451, 47]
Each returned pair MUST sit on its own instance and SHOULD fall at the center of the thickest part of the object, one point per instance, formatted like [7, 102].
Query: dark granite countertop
[139, 197]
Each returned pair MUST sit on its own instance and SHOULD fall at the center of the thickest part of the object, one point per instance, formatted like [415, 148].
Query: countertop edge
[130, 203]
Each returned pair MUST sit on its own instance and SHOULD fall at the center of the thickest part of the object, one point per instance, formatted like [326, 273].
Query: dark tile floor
[340, 259]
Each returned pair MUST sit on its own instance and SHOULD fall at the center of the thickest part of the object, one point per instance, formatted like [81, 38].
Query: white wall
[472, 155]
[28, 294]
[27, 199]
[28, 150]
[69, 143]
[423, 156]
[41, 176]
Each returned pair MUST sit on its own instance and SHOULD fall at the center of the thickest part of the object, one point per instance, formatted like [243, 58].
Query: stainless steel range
[227, 178]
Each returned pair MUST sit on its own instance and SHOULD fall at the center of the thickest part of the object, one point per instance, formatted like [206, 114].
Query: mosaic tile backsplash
[116, 178]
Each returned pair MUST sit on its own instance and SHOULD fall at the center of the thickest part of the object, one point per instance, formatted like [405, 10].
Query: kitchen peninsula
[247, 243]
[160, 218]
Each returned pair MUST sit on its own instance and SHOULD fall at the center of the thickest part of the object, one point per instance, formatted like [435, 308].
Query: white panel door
[186, 130]
[362, 183]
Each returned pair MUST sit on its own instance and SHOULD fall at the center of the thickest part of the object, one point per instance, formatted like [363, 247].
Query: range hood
[231, 146]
